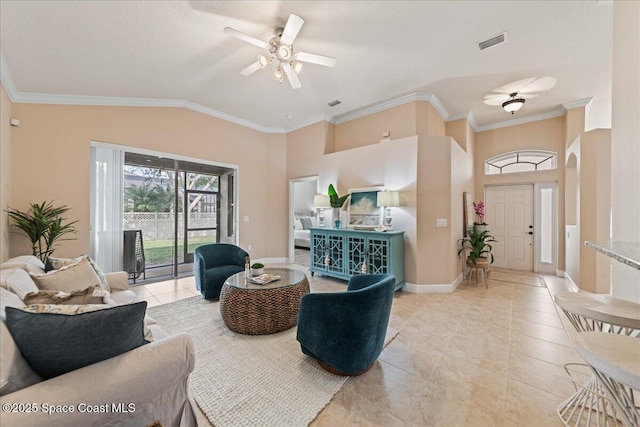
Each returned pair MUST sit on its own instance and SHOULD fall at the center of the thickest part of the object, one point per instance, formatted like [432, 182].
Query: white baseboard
[572, 284]
[560, 273]
[456, 282]
[433, 289]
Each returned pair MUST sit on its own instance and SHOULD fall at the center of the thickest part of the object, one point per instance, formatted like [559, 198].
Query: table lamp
[321, 201]
[388, 199]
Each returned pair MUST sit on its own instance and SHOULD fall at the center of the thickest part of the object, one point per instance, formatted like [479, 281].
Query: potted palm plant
[44, 226]
[478, 243]
[336, 203]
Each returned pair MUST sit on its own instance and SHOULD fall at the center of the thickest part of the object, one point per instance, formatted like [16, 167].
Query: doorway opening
[302, 216]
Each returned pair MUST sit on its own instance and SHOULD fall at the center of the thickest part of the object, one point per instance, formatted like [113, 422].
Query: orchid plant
[479, 208]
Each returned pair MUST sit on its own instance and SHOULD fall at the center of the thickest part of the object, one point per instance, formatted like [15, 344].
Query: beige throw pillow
[58, 263]
[74, 277]
[91, 295]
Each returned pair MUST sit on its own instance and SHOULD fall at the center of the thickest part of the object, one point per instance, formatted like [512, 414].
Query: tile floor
[476, 357]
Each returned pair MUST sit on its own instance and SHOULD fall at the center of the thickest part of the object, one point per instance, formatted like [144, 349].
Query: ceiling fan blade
[514, 86]
[495, 102]
[246, 38]
[251, 69]
[528, 95]
[292, 29]
[312, 58]
[542, 84]
[292, 76]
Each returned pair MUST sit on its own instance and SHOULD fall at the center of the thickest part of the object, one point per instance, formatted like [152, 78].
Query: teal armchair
[214, 264]
[345, 331]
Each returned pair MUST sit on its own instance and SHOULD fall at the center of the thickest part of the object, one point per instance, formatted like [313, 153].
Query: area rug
[243, 380]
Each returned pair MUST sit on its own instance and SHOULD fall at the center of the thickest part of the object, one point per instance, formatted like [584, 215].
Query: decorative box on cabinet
[341, 253]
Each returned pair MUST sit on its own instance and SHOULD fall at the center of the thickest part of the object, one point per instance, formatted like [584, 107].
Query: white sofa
[150, 382]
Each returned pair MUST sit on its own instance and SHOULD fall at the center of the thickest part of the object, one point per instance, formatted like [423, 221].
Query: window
[521, 161]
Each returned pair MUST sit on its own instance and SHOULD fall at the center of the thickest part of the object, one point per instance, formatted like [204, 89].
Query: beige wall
[625, 141]
[462, 180]
[595, 205]
[588, 202]
[412, 118]
[276, 227]
[459, 131]
[400, 121]
[51, 154]
[5, 171]
[542, 135]
[574, 124]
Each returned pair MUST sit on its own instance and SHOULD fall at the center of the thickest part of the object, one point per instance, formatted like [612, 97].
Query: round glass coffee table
[252, 309]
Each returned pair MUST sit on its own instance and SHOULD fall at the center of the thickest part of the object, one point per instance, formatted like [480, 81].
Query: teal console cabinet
[343, 253]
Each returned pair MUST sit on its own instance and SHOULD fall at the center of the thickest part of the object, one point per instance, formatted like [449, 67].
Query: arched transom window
[521, 161]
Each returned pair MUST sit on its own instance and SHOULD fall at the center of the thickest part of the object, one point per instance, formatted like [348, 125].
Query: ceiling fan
[280, 50]
[512, 96]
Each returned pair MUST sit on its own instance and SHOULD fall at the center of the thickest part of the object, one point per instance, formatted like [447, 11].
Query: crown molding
[577, 104]
[7, 79]
[56, 99]
[465, 115]
[42, 98]
[311, 121]
[435, 102]
[382, 106]
[376, 108]
[549, 115]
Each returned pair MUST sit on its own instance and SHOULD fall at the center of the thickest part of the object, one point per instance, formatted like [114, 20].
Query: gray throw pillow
[306, 223]
[54, 344]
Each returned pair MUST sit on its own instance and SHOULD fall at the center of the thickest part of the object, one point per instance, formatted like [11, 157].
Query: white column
[625, 141]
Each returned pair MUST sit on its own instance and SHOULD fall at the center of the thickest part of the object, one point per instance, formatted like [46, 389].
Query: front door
[510, 219]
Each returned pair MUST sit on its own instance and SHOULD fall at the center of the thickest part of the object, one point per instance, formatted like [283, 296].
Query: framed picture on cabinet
[363, 211]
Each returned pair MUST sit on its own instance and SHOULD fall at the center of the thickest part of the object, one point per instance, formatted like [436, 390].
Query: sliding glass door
[175, 206]
[202, 206]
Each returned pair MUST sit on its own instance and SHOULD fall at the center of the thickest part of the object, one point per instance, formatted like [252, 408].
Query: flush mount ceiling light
[512, 96]
[280, 48]
[513, 104]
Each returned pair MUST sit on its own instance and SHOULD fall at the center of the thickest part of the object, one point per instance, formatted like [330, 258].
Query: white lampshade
[321, 201]
[388, 198]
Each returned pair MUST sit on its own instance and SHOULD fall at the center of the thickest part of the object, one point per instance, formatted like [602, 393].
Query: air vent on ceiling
[500, 38]
[333, 103]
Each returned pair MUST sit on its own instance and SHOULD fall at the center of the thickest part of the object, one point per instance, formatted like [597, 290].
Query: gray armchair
[345, 331]
[214, 264]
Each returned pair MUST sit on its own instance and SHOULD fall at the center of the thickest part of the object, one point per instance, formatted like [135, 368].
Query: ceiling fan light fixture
[280, 51]
[514, 104]
[284, 51]
[263, 61]
[278, 74]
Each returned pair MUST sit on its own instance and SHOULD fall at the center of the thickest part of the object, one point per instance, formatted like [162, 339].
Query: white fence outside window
[159, 225]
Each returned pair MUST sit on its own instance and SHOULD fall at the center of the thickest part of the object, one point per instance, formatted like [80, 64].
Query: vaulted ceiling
[175, 53]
